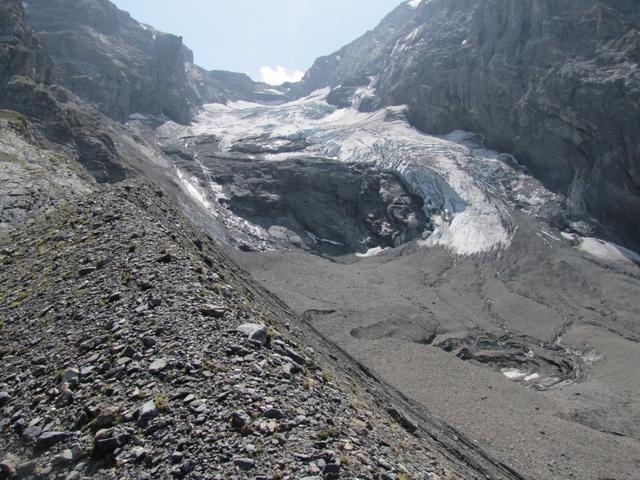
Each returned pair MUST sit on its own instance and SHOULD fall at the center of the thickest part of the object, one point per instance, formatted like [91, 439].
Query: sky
[269, 40]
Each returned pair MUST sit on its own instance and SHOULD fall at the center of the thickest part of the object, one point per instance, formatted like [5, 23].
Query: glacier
[469, 191]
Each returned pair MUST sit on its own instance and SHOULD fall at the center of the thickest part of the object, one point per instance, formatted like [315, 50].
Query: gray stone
[114, 297]
[8, 465]
[83, 272]
[64, 458]
[214, 311]
[331, 469]
[239, 419]
[158, 366]
[49, 439]
[71, 374]
[273, 414]
[255, 332]
[188, 467]
[128, 352]
[26, 469]
[293, 355]
[31, 433]
[147, 412]
[138, 453]
[244, 463]
[108, 440]
[4, 398]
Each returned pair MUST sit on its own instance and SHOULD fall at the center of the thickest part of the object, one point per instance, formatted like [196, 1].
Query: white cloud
[280, 75]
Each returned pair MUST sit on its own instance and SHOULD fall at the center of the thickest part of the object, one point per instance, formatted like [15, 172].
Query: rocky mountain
[123, 67]
[21, 53]
[219, 86]
[110, 60]
[409, 306]
[554, 83]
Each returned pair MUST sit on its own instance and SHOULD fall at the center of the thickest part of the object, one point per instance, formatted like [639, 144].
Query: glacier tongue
[468, 191]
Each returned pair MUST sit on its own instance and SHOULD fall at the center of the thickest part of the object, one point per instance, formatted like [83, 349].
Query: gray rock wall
[112, 61]
[20, 53]
[556, 82]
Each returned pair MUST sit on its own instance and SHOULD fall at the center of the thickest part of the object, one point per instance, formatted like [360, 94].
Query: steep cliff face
[20, 53]
[557, 83]
[219, 86]
[39, 121]
[110, 60]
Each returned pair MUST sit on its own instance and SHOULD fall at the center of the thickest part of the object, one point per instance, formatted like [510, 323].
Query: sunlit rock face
[112, 61]
[124, 67]
[554, 83]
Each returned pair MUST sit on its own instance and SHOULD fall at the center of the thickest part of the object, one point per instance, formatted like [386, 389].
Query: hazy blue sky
[247, 35]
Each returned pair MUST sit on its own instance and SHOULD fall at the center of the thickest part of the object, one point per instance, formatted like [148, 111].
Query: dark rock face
[79, 130]
[556, 83]
[218, 86]
[20, 53]
[108, 59]
[121, 66]
[333, 207]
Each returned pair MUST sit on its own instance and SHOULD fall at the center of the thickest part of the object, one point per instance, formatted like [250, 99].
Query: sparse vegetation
[327, 377]
[14, 118]
[162, 403]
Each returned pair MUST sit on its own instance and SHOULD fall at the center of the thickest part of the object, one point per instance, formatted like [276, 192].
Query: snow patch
[137, 116]
[607, 250]
[372, 252]
[513, 374]
[534, 377]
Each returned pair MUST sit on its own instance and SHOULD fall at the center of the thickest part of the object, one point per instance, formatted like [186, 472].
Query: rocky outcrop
[49, 111]
[219, 86]
[555, 83]
[108, 59]
[33, 178]
[330, 207]
[20, 53]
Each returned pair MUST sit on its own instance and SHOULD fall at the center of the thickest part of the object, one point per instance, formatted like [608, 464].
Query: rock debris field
[133, 349]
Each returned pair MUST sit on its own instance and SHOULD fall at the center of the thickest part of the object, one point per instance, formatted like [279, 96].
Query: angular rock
[244, 463]
[293, 355]
[255, 332]
[273, 414]
[331, 470]
[239, 419]
[158, 366]
[147, 412]
[83, 272]
[108, 440]
[214, 311]
[71, 374]
[8, 465]
[49, 439]
[26, 469]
